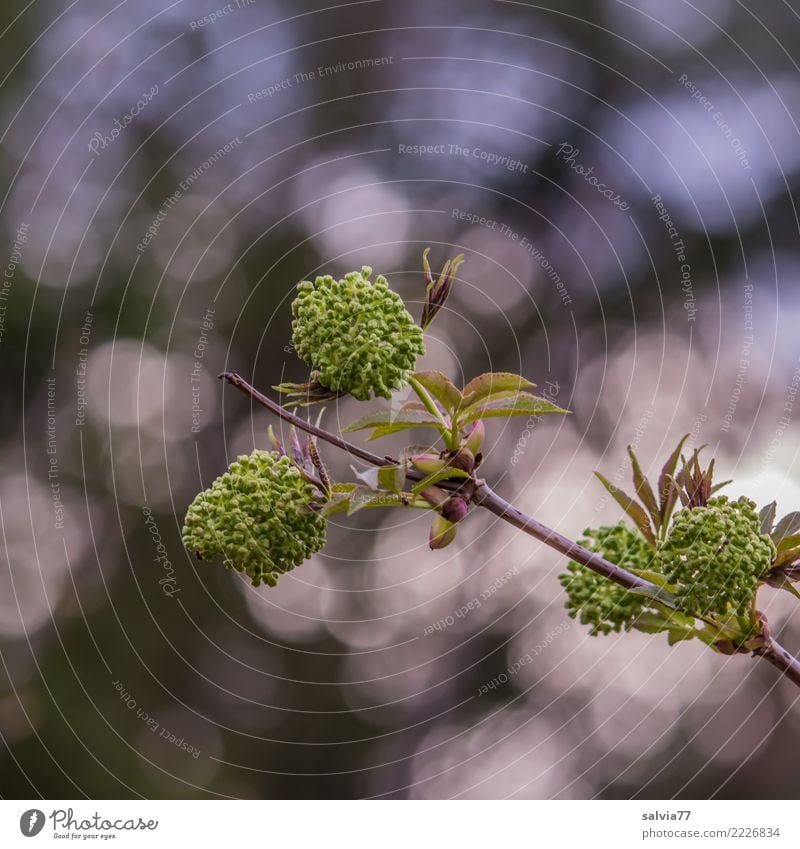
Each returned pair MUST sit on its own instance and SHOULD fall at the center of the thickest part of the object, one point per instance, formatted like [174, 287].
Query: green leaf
[789, 524]
[366, 497]
[634, 510]
[667, 487]
[441, 387]
[789, 555]
[644, 490]
[650, 623]
[520, 404]
[436, 477]
[340, 499]
[382, 478]
[677, 635]
[767, 517]
[492, 383]
[390, 429]
[368, 477]
[392, 478]
[787, 543]
[394, 418]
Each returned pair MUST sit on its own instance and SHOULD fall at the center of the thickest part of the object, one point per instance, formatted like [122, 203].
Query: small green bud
[443, 532]
[356, 334]
[258, 516]
[463, 459]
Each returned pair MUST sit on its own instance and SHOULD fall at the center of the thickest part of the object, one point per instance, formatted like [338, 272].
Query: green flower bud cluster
[356, 334]
[601, 603]
[716, 555]
[258, 517]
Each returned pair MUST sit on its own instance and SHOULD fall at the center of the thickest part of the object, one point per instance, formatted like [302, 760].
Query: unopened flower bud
[463, 459]
[434, 496]
[443, 532]
[474, 440]
[428, 464]
[455, 509]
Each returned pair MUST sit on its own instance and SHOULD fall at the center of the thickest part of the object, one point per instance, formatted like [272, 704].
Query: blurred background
[621, 177]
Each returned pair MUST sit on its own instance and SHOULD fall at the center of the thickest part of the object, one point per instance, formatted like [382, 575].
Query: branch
[501, 508]
[301, 424]
[485, 497]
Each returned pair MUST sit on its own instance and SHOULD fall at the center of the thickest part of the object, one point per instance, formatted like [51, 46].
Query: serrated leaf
[520, 404]
[767, 517]
[667, 487]
[436, 477]
[394, 418]
[789, 524]
[644, 490]
[441, 388]
[491, 383]
[634, 510]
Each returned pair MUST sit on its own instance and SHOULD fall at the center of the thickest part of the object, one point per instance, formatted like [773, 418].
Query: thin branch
[485, 497]
[501, 508]
[301, 424]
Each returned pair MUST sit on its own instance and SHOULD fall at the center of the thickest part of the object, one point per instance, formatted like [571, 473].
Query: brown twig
[485, 497]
